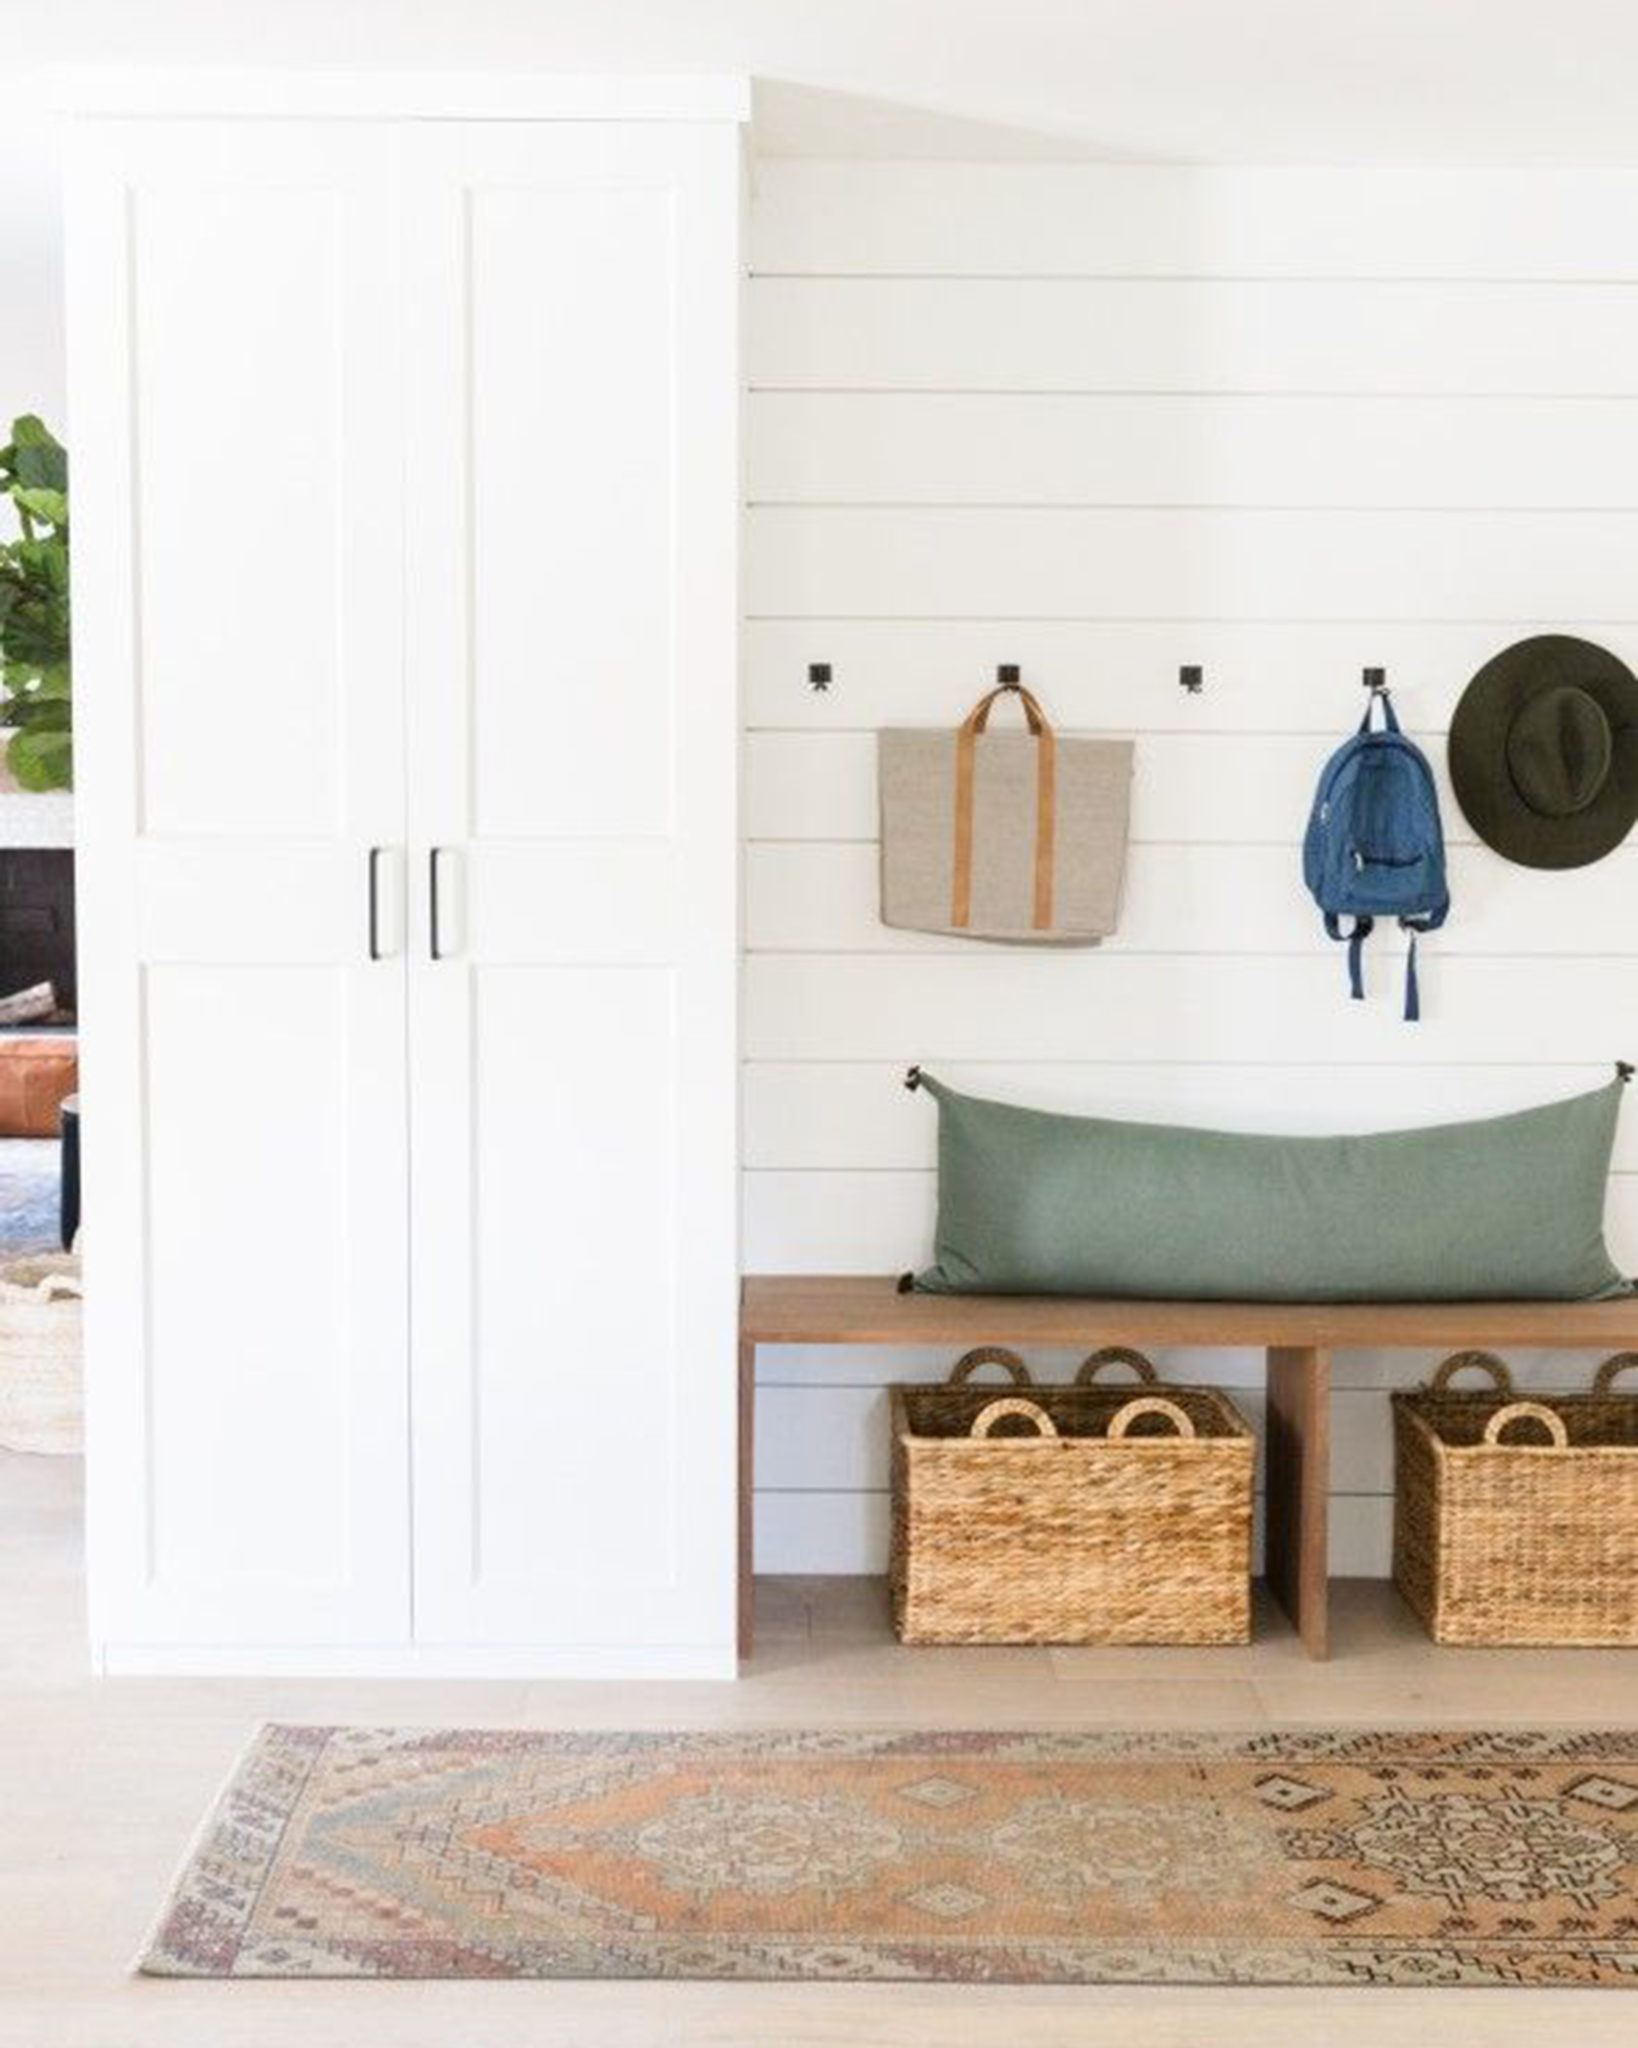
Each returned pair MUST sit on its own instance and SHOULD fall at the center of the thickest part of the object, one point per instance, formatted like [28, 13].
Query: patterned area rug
[1345, 1858]
[30, 1184]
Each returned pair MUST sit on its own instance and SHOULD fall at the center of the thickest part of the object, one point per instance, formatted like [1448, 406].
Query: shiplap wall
[1103, 422]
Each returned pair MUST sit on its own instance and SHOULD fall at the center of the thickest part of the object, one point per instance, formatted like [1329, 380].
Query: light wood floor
[102, 1783]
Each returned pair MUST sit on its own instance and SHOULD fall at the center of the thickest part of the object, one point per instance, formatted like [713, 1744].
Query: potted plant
[35, 703]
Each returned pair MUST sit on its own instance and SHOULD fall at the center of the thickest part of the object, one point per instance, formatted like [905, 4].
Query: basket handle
[1483, 1361]
[990, 1354]
[1115, 1354]
[1150, 1404]
[52, 1287]
[1527, 1411]
[1605, 1376]
[986, 1418]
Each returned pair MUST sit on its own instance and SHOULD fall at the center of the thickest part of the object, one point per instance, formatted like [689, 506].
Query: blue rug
[30, 1171]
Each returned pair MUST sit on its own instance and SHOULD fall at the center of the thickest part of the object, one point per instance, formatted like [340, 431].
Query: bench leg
[1299, 1489]
[747, 1495]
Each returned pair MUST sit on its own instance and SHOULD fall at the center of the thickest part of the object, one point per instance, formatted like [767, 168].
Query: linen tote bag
[1016, 836]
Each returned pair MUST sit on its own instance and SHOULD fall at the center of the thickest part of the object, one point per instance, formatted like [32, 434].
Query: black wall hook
[819, 675]
[1192, 677]
[1376, 681]
[1007, 676]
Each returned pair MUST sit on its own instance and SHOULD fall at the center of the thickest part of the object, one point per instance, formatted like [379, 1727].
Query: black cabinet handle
[375, 902]
[436, 946]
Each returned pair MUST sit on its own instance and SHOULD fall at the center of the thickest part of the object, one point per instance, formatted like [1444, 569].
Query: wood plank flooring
[103, 1781]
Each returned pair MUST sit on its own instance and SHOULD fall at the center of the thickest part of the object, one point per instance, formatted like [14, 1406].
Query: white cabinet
[572, 747]
[406, 516]
[236, 425]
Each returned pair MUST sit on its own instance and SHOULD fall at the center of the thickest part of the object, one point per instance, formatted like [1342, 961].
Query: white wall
[1102, 422]
[31, 314]
[1261, 81]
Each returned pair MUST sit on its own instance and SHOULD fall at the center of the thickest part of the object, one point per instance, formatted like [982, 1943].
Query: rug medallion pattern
[1340, 1858]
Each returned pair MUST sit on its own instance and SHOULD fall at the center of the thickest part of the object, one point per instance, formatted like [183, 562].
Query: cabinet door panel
[573, 365]
[572, 742]
[574, 1277]
[238, 602]
[249, 1327]
[241, 302]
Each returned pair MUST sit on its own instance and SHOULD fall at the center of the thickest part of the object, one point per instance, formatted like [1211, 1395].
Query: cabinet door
[234, 303]
[573, 743]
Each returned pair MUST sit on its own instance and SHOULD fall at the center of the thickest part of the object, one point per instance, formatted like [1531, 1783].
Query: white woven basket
[40, 1346]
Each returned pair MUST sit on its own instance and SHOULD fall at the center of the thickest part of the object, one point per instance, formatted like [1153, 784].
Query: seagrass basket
[1517, 1521]
[40, 1343]
[1069, 1514]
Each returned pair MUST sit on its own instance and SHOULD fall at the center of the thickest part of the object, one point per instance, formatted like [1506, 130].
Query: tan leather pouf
[35, 1075]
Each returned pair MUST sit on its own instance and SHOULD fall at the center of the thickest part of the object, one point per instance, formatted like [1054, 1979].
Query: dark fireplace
[37, 920]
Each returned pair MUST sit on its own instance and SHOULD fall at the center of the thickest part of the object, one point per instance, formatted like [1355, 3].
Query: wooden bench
[1298, 1338]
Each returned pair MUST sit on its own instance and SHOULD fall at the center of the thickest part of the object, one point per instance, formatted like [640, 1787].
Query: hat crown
[1559, 749]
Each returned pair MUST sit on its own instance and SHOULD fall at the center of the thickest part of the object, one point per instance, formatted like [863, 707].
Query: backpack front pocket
[1385, 884]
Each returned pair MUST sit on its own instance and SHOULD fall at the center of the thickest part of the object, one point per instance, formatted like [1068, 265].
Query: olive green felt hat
[1544, 752]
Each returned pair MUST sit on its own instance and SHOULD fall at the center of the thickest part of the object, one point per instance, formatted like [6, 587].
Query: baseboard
[412, 1660]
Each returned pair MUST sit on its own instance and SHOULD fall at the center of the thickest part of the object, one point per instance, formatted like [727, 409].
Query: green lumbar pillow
[1510, 1208]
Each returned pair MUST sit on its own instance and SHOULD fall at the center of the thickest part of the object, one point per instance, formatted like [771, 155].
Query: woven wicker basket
[1517, 1521]
[1063, 1517]
[40, 1402]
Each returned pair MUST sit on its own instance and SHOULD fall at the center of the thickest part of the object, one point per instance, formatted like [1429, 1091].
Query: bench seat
[1298, 1337]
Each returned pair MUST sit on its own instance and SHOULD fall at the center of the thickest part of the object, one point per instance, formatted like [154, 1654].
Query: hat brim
[1479, 773]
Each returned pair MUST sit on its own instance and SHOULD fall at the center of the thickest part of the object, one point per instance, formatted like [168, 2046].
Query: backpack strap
[1363, 927]
[1390, 717]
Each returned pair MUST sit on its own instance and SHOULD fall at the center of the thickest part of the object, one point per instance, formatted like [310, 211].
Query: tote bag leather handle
[1046, 804]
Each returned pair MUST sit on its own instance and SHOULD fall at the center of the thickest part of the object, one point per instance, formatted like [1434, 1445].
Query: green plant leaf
[46, 504]
[28, 679]
[41, 760]
[20, 676]
[38, 458]
[33, 639]
[35, 685]
[36, 714]
[44, 559]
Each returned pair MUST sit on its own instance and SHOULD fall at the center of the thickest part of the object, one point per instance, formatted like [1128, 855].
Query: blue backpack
[1374, 847]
